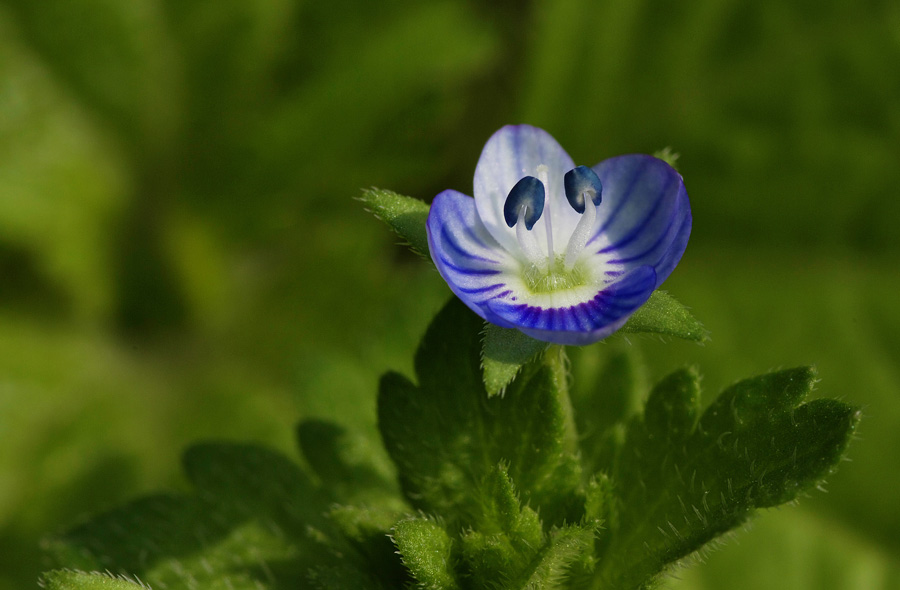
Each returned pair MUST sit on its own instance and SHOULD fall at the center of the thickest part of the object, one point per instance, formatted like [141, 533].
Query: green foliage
[504, 352]
[242, 527]
[495, 491]
[405, 215]
[346, 463]
[682, 479]
[425, 548]
[75, 580]
[662, 314]
[220, 140]
[445, 435]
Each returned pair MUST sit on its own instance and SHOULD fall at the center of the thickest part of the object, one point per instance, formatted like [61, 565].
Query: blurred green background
[181, 256]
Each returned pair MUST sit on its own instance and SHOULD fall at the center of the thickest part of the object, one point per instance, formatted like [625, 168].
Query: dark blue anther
[528, 193]
[579, 181]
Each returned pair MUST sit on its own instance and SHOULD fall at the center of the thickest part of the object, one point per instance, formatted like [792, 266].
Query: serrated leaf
[367, 529]
[405, 215]
[255, 522]
[563, 551]
[254, 481]
[425, 548]
[446, 435]
[505, 538]
[77, 580]
[504, 352]
[663, 314]
[351, 466]
[683, 480]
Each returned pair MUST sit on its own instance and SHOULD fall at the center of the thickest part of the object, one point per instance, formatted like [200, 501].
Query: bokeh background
[181, 257]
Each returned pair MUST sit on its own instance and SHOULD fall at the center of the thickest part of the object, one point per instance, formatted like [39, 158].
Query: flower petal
[474, 265]
[645, 218]
[510, 154]
[587, 322]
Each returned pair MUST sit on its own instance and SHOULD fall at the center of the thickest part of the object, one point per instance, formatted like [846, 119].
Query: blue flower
[563, 253]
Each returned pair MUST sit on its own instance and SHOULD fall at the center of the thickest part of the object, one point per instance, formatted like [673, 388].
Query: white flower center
[549, 272]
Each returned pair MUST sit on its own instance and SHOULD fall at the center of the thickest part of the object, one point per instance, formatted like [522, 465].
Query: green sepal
[78, 580]
[505, 350]
[503, 353]
[425, 548]
[446, 435]
[663, 314]
[681, 479]
[405, 215]
[668, 155]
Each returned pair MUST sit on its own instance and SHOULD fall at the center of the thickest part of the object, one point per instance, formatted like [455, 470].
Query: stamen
[582, 184]
[544, 174]
[583, 230]
[527, 241]
[527, 196]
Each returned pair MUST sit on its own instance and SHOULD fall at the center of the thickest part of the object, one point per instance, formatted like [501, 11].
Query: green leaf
[504, 352]
[425, 548]
[662, 314]
[76, 580]
[565, 549]
[341, 577]
[350, 465]
[506, 536]
[446, 435]
[405, 215]
[254, 522]
[682, 480]
[367, 529]
[611, 396]
[256, 482]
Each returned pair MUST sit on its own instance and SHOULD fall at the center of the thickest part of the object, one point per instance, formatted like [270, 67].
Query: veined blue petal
[646, 217]
[474, 265]
[580, 290]
[584, 323]
[510, 154]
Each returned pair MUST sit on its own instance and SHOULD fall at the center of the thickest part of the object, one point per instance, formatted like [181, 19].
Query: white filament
[527, 241]
[582, 233]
